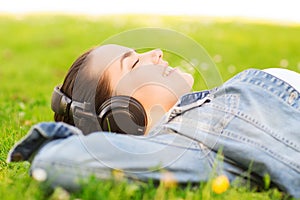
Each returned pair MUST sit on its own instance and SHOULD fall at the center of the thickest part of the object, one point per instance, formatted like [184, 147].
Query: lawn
[37, 50]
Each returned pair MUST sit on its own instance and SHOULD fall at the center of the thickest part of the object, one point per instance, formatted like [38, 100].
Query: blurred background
[48, 35]
[279, 10]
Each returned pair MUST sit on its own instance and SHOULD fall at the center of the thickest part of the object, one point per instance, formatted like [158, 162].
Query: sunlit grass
[36, 51]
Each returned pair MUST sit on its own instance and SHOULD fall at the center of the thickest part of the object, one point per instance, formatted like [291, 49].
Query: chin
[189, 80]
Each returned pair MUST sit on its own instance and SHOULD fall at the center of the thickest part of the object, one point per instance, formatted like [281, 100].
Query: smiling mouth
[168, 71]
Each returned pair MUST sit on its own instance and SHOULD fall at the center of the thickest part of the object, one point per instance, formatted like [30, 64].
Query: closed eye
[136, 62]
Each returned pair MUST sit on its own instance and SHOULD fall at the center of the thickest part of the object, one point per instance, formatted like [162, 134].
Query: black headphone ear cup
[123, 114]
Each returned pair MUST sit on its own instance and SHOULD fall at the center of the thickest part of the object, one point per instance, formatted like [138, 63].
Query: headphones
[119, 114]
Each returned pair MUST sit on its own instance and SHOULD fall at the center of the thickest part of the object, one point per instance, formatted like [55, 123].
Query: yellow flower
[220, 184]
[118, 174]
[168, 180]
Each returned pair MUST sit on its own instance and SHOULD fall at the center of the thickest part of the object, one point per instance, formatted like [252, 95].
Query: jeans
[252, 120]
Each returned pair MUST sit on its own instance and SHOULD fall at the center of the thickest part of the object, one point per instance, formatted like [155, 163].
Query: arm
[70, 158]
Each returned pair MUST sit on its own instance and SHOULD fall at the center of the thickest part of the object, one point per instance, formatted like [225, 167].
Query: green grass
[36, 51]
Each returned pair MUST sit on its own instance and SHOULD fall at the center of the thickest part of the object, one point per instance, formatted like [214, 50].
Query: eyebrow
[127, 54]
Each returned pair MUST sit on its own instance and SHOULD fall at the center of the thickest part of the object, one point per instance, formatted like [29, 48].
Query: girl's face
[148, 78]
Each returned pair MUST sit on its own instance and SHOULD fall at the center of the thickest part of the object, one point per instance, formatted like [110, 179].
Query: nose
[152, 57]
[157, 56]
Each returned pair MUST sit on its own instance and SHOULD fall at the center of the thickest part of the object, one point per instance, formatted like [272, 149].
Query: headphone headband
[60, 103]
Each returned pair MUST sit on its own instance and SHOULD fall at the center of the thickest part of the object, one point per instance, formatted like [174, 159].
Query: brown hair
[103, 91]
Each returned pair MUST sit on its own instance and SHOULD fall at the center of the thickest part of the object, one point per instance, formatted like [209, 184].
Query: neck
[154, 115]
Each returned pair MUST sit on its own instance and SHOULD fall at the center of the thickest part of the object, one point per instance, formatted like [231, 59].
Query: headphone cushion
[123, 114]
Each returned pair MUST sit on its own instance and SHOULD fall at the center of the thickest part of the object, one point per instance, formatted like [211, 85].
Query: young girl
[253, 118]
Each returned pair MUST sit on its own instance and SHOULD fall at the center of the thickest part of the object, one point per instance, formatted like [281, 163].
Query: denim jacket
[246, 128]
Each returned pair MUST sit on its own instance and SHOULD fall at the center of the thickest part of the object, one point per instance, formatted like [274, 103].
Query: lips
[168, 71]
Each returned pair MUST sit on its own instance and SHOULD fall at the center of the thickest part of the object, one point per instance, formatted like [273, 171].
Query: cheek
[156, 92]
[152, 84]
[115, 74]
[156, 95]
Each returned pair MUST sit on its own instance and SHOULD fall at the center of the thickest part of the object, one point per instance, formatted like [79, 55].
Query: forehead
[103, 56]
[98, 61]
[106, 59]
